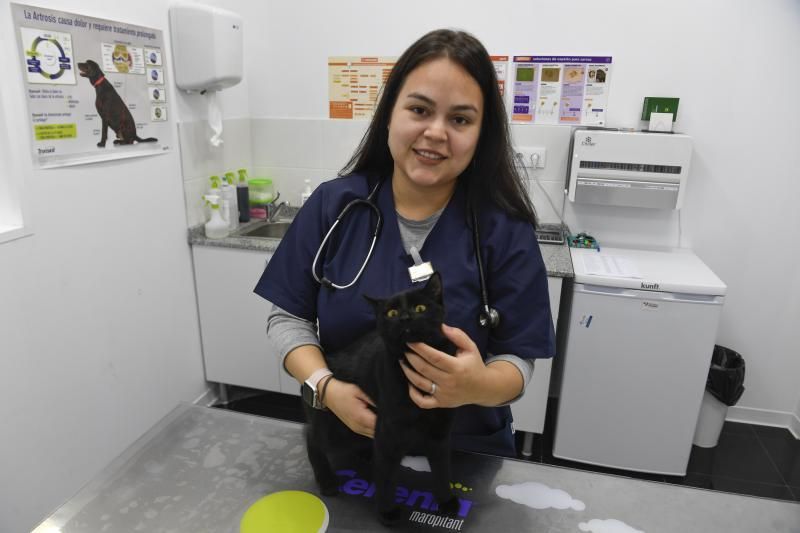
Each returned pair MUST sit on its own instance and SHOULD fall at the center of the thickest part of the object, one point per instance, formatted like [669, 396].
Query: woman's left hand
[459, 379]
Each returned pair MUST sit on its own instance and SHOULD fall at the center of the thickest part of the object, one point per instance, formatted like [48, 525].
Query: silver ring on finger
[433, 388]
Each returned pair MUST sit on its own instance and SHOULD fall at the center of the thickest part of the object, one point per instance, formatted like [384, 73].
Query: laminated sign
[569, 90]
[95, 89]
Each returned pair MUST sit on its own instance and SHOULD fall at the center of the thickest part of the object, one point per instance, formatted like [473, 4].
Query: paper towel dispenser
[628, 168]
[207, 47]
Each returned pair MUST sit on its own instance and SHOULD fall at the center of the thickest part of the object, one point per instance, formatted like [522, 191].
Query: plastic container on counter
[261, 193]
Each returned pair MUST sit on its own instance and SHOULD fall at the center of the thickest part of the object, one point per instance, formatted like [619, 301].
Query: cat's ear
[374, 302]
[434, 286]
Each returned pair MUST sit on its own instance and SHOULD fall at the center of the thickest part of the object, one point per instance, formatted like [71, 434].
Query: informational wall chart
[95, 88]
[570, 90]
[354, 84]
[560, 89]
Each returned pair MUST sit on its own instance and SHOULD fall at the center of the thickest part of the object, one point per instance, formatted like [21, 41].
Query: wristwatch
[309, 390]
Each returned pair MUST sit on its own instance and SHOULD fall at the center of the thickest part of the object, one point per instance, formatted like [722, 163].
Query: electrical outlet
[527, 154]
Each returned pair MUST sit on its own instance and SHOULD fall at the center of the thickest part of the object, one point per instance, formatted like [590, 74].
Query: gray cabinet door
[233, 319]
[529, 411]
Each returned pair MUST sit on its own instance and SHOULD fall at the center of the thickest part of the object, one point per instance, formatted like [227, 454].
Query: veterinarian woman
[435, 159]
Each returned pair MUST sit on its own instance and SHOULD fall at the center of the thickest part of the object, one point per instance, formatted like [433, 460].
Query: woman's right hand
[351, 405]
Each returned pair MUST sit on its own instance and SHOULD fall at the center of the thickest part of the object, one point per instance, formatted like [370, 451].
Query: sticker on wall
[152, 56]
[157, 94]
[560, 89]
[86, 87]
[155, 75]
[158, 113]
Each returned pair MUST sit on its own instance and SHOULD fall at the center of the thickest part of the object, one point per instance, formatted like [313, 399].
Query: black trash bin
[724, 387]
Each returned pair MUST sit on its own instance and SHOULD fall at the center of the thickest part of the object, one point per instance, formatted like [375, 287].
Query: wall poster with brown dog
[95, 89]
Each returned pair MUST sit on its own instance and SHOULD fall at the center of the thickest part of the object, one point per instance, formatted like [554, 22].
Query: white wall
[729, 62]
[98, 318]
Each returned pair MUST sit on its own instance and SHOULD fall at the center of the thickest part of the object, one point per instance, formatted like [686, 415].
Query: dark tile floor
[753, 460]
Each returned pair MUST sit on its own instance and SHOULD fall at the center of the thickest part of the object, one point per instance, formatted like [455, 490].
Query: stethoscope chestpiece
[489, 318]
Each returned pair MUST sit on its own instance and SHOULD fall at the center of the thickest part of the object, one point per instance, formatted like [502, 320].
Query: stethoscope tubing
[489, 316]
[369, 202]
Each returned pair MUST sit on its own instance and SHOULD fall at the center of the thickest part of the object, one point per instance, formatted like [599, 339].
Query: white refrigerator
[642, 329]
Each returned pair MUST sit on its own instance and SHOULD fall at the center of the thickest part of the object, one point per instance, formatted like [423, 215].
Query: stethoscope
[488, 317]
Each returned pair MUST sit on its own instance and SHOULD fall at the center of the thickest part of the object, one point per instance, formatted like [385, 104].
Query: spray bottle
[243, 196]
[216, 228]
[215, 190]
[306, 193]
[229, 194]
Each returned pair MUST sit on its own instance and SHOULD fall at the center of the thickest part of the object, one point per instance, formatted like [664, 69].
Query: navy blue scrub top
[516, 280]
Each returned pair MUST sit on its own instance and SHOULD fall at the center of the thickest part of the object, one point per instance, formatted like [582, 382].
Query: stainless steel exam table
[200, 470]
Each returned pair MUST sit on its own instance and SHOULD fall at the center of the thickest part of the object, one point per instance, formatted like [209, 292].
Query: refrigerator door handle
[692, 298]
[649, 295]
[601, 289]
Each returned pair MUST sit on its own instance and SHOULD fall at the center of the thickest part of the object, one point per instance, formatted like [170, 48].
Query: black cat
[373, 363]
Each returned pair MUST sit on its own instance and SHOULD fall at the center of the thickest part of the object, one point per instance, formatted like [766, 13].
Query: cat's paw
[392, 516]
[450, 507]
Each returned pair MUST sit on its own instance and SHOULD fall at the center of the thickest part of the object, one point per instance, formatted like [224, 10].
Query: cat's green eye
[392, 313]
[420, 308]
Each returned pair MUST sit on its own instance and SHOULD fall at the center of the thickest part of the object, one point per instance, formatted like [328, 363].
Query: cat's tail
[148, 140]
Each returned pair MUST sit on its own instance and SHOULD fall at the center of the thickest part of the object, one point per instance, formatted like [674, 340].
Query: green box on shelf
[657, 104]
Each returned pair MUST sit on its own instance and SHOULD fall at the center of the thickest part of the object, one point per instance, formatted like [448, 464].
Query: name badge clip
[419, 271]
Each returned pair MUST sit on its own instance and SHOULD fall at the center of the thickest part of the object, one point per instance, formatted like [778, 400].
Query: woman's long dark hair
[492, 173]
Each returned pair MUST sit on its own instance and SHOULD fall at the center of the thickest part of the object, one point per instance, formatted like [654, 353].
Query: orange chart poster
[501, 70]
[354, 84]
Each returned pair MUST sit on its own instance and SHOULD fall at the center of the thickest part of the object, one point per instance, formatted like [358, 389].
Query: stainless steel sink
[270, 230]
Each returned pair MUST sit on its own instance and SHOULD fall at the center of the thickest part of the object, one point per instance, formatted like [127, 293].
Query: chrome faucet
[274, 208]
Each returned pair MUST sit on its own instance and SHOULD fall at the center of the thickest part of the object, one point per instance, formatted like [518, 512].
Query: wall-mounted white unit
[623, 168]
[207, 47]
